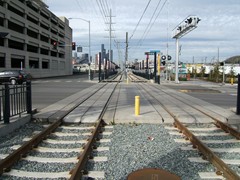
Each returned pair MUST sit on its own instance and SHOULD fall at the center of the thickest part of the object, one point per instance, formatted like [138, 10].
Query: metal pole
[99, 67]
[89, 54]
[6, 112]
[223, 82]
[126, 57]
[89, 43]
[238, 96]
[29, 97]
[177, 58]
[159, 68]
[147, 67]
[155, 66]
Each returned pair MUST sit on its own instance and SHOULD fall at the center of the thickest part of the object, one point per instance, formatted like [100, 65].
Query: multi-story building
[34, 39]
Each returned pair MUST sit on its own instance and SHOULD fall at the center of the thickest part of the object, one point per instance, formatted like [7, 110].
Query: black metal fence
[15, 100]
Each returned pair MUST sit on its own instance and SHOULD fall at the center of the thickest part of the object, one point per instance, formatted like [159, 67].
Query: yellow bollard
[231, 81]
[137, 105]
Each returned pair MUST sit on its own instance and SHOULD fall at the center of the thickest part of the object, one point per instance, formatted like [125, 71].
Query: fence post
[6, 108]
[29, 97]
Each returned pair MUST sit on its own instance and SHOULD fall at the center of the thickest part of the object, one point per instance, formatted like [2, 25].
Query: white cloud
[219, 26]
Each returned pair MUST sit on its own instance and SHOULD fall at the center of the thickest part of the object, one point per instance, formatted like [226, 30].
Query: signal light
[73, 46]
[55, 44]
[198, 19]
[163, 57]
[221, 63]
[169, 57]
[179, 28]
[189, 20]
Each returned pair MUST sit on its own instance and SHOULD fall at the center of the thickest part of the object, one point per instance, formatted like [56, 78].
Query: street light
[89, 41]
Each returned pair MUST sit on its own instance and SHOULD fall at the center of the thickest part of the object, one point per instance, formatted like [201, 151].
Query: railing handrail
[15, 100]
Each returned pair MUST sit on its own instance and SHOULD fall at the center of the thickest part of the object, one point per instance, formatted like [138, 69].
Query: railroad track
[61, 150]
[134, 78]
[220, 139]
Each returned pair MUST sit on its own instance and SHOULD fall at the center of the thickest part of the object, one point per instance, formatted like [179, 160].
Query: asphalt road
[215, 93]
[50, 90]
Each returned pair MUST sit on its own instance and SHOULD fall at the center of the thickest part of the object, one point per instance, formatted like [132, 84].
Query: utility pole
[110, 36]
[126, 56]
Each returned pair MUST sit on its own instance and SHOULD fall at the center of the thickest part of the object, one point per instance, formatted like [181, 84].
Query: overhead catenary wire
[140, 19]
[147, 28]
[156, 17]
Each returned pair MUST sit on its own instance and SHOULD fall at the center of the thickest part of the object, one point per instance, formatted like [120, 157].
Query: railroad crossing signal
[166, 57]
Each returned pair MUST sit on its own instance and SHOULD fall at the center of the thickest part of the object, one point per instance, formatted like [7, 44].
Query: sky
[150, 24]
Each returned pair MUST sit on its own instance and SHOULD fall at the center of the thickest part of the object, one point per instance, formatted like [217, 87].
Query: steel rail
[225, 170]
[217, 122]
[7, 163]
[78, 171]
[210, 156]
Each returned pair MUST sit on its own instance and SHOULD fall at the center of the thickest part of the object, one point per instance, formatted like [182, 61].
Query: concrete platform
[154, 100]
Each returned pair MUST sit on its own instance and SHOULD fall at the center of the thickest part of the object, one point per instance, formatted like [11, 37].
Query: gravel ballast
[132, 147]
[135, 146]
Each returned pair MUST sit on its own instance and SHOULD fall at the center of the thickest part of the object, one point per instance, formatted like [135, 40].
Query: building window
[32, 34]
[61, 55]
[32, 20]
[44, 38]
[34, 64]
[53, 53]
[30, 5]
[44, 26]
[15, 27]
[31, 48]
[1, 21]
[2, 60]
[1, 41]
[44, 15]
[44, 51]
[17, 63]
[45, 64]
[16, 11]
[15, 44]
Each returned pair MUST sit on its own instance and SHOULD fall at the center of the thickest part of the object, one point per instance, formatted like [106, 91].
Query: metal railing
[15, 100]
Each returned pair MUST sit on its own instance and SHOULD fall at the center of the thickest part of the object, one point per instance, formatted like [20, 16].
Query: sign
[155, 51]
[79, 49]
[149, 53]
[152, 52]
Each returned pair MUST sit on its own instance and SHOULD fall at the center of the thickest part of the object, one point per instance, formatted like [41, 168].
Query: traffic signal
[55, 44]
[198, 19]
[221, 63]
[189, 20]
[73, 46]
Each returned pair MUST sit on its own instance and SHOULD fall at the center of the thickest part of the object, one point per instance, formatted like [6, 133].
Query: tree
[216, 73]
[232, 73]
[202, 72]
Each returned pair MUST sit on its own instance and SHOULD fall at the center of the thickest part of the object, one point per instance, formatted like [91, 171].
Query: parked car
[14, 76]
